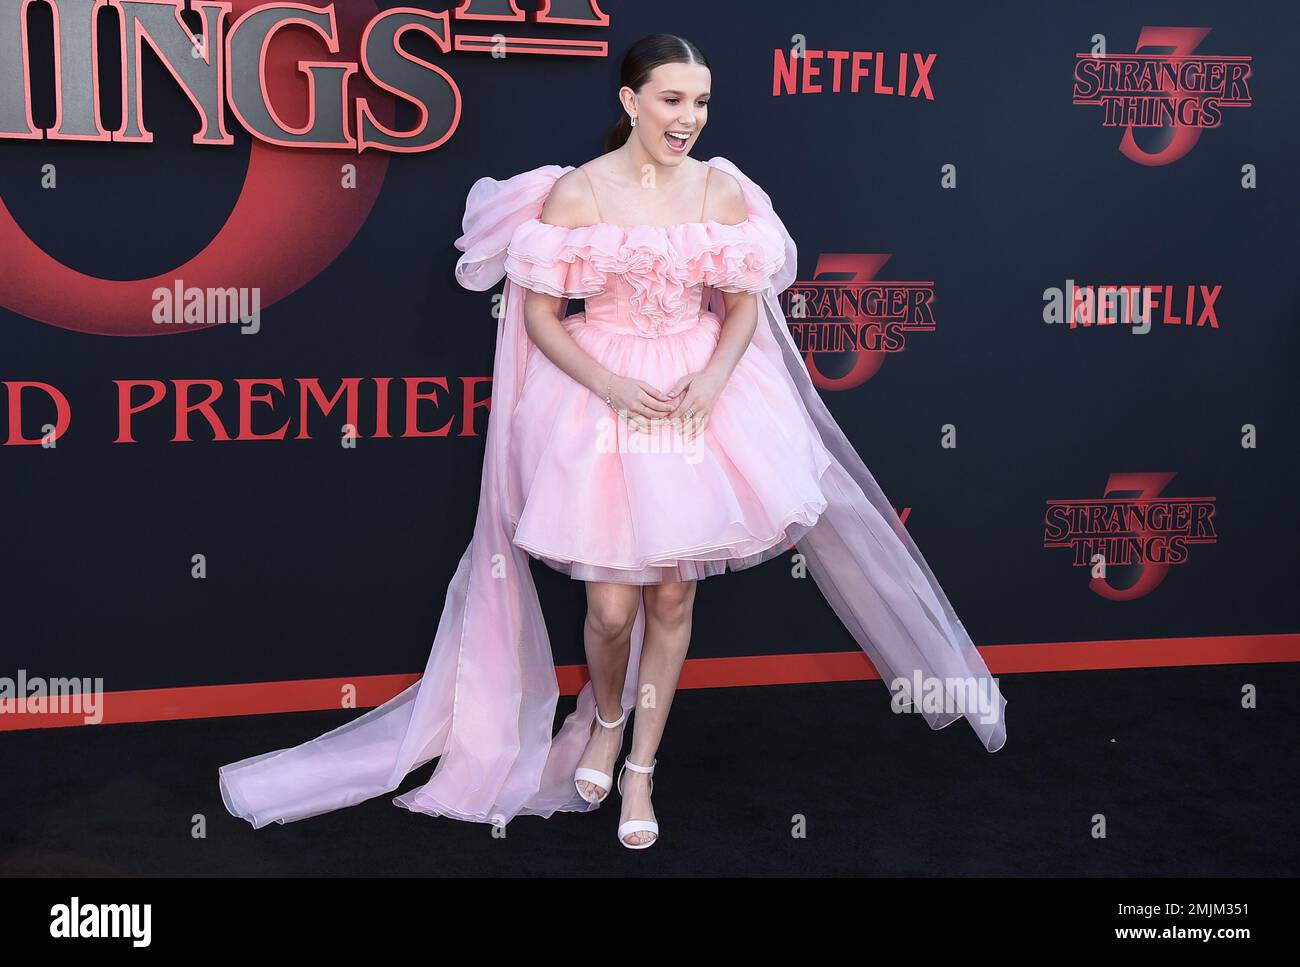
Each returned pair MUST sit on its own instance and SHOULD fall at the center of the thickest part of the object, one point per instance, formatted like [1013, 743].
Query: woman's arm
[737, 332]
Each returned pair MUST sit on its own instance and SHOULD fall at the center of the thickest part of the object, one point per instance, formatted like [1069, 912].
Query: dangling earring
[634, 120]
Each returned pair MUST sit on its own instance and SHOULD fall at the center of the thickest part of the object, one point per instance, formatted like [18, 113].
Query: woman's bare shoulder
[569, 203]
[726, 199]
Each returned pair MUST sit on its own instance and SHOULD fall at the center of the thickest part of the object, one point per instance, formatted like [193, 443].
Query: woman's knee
[670, 603]
[611, 609]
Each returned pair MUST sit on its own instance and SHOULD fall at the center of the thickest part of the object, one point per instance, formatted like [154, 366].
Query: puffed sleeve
[494, 210]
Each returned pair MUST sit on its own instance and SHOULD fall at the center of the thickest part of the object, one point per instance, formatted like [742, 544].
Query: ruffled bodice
[650, 280]
[647, 279]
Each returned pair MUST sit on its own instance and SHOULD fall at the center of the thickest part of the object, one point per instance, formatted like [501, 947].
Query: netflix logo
[1137, 306]
[804, 70]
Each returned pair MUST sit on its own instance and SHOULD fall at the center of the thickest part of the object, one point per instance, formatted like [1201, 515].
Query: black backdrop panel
[324, 560]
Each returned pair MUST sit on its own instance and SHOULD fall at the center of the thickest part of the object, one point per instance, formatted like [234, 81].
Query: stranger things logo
[1130, 537]
[1163, 95]
[846, 320]
[317, 89]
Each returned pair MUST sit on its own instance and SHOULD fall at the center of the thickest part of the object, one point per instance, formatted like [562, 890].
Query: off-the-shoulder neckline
[746, 220]
[627, 228]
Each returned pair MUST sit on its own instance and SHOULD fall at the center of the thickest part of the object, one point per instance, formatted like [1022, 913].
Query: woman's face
[673, 102]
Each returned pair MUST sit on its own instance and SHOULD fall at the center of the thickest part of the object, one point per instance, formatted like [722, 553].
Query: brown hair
[641, 58]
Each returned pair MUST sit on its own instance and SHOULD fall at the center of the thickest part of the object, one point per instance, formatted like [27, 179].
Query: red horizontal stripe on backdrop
[320, 694]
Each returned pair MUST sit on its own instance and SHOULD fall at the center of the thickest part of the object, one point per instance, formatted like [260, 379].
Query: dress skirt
[604, 502]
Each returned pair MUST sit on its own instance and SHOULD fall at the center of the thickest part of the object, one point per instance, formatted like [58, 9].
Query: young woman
[668, 433]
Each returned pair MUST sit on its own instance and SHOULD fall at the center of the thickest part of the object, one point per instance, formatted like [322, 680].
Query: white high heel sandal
[595, 776]
[638, 825]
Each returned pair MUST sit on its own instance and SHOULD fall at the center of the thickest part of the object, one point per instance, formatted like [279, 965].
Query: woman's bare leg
[668, 611]
[607, 638]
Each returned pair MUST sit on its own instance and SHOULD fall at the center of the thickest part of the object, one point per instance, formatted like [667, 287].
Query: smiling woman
[662, 109]
[669, 99]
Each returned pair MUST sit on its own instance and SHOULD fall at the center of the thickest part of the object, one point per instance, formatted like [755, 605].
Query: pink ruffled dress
[602, 502]
[773, 461]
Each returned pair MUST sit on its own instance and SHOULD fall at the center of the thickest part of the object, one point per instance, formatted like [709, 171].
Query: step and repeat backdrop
[1046, 283]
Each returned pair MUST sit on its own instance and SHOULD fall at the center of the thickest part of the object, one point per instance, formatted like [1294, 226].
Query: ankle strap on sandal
[610, 725]
[639, 768]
